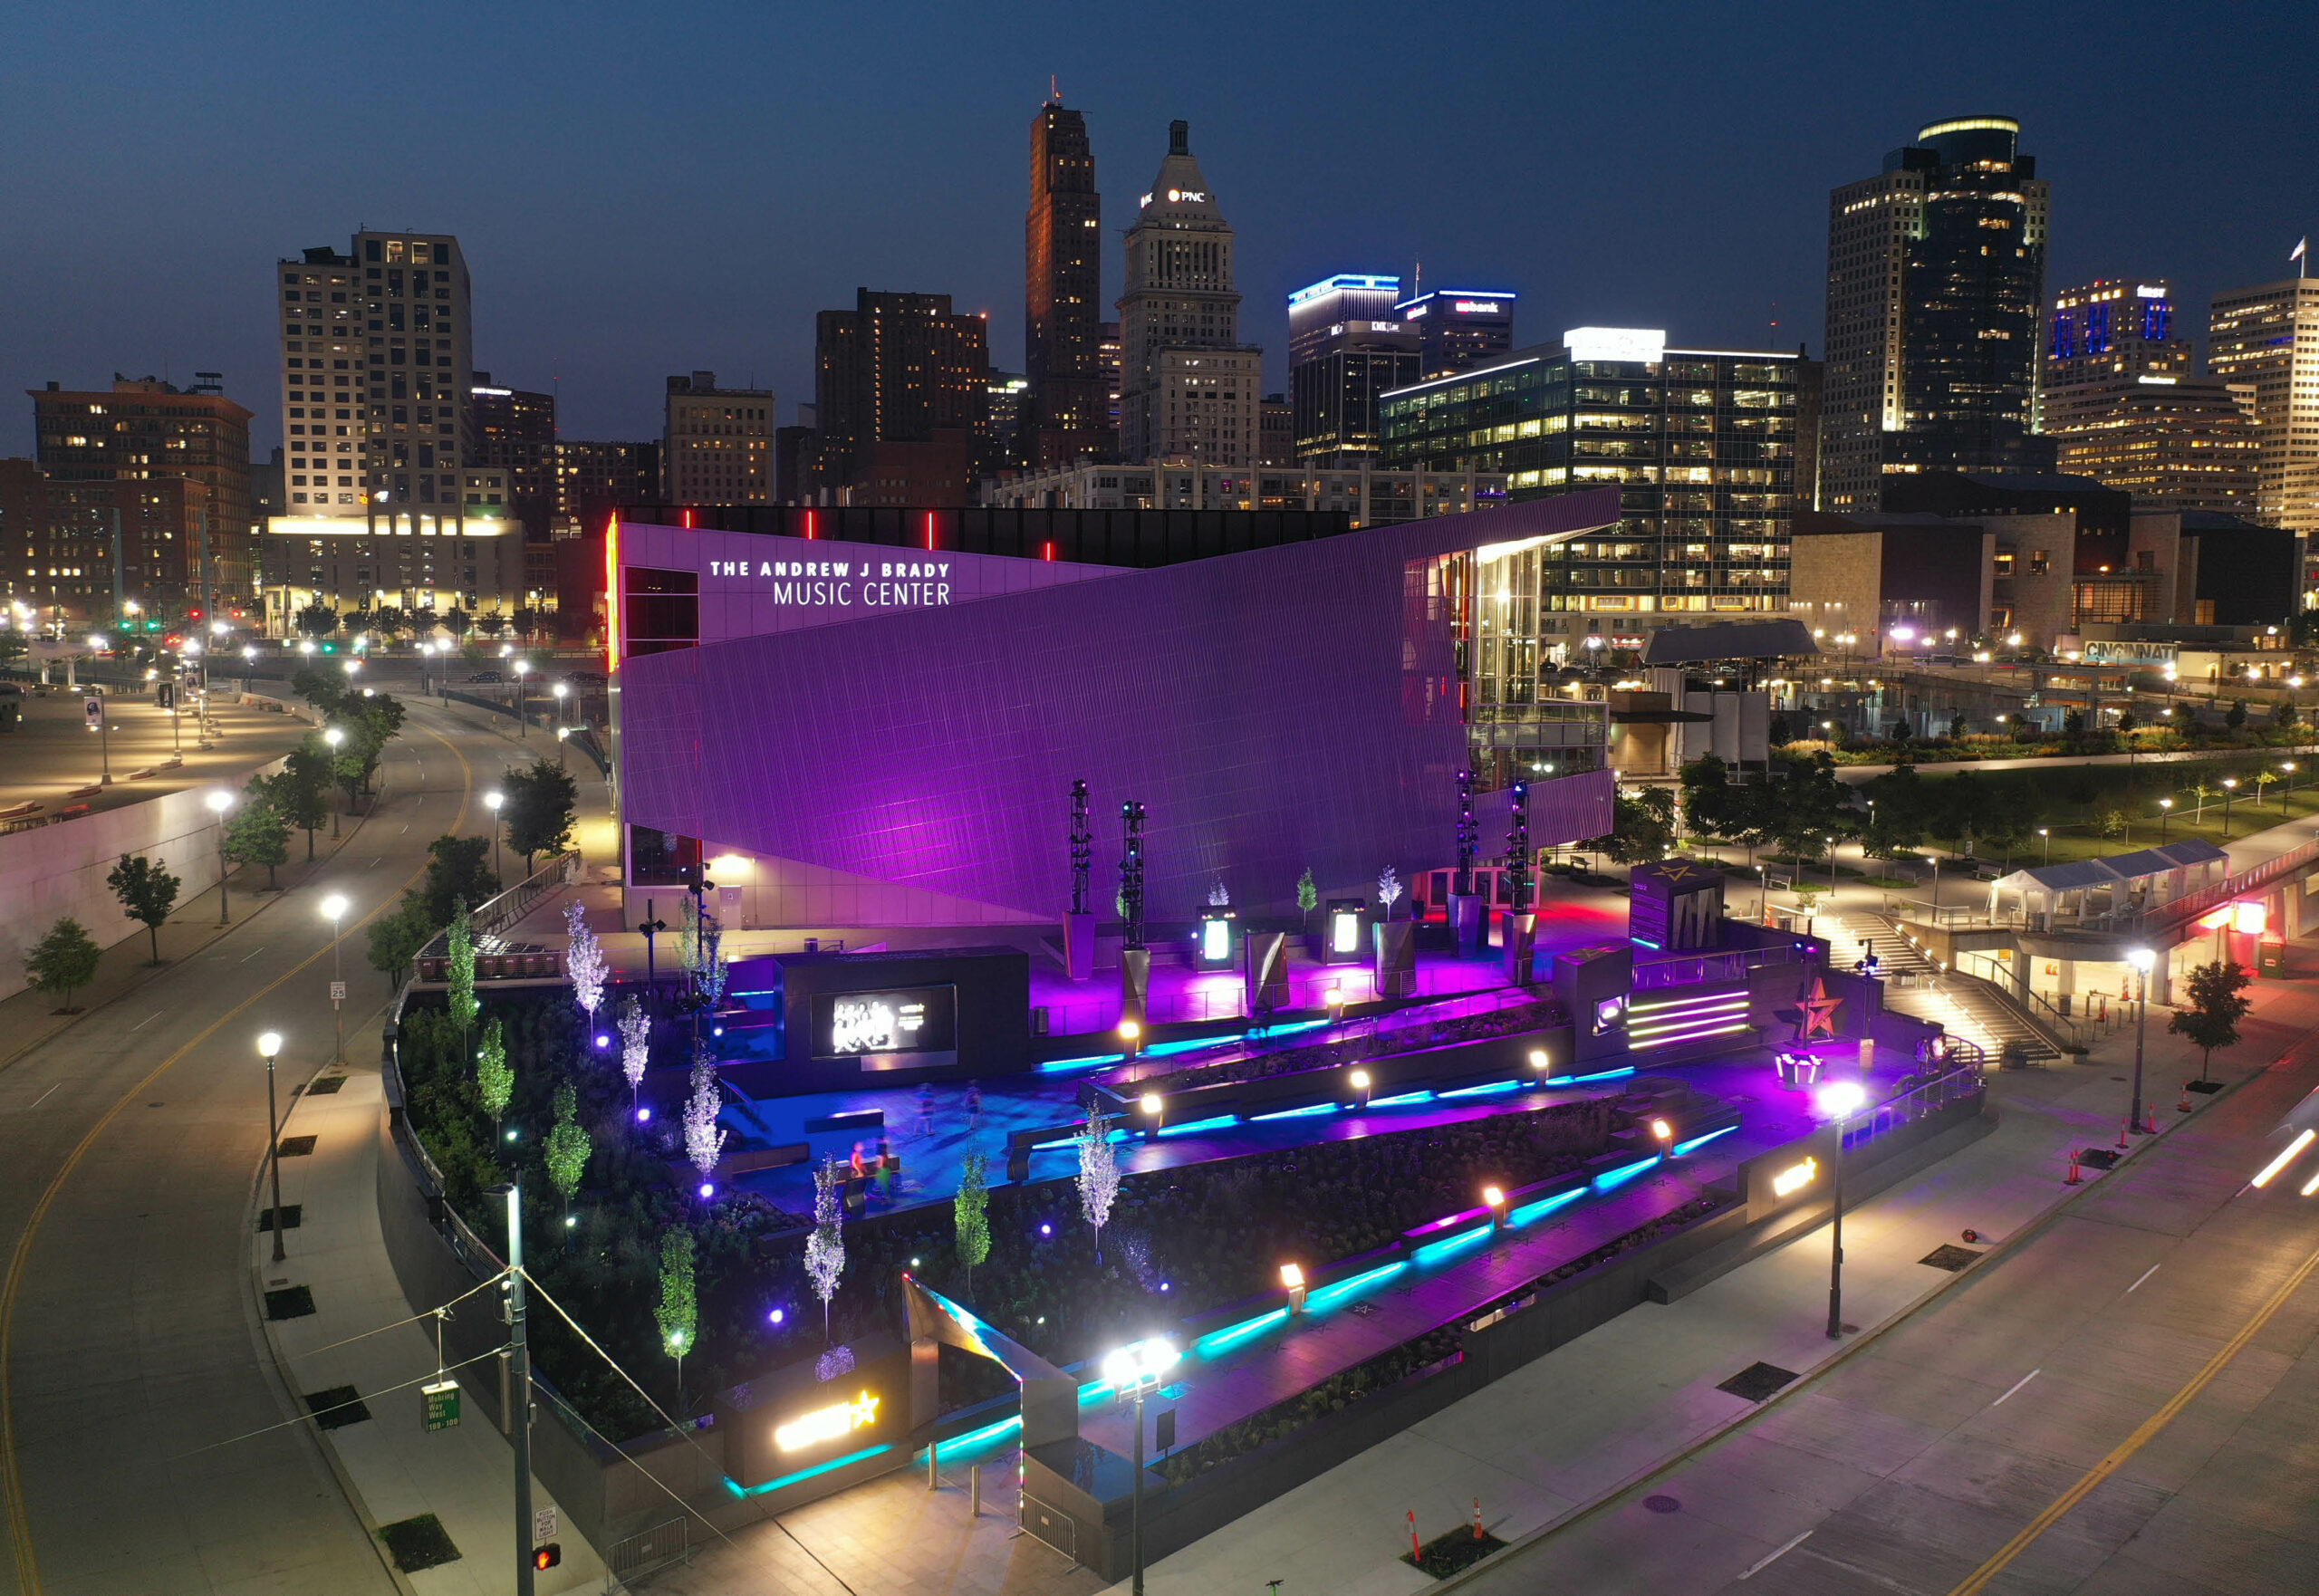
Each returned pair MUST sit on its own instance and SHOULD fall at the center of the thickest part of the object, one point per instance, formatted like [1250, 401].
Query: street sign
[165, 694]
[95, 710]
[543, 1524]
[1164, 1430]
[338, 992]
[439, 1405]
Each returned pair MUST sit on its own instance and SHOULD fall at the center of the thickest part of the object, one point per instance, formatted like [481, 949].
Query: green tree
[2127, 722]
[301, 789]
[147, 892]
[2283, 715]
[2236, 719]
[568, 1145]
[257, 833]
[322, 688]
[679, 1310]
[495, 1077]
[1709, 804]
[970, 1215]
[1308, 897]
[457, 868]
[397, 936]
[456, 621]
[1902, 804]
[458, 943]
[1810, 806]
[317, 619]
[541, 803]
[2217, 1002]
[2074, 723]
[1958, 729]
[1643, 827]
[62, 961]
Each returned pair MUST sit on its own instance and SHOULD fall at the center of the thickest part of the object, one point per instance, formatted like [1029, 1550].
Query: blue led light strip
[1406, 1097]
[1216, 1340]
[807, 1474]
[1684, 1147]
[1318, 1108]
[1329, 1294]
[1219, 1122]
[1484, 1090]
[1432, 1250]
[1529, 1211]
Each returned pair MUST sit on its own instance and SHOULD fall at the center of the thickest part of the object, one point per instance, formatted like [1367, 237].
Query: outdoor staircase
[1967, 1006]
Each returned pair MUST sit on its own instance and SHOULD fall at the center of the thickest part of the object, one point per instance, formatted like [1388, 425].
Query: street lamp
[1134, 1372]
[2141, 958]
[522, 709]
[219, 801]
[492, 801]
[335, 910]
[1838, 1099]
[267, 1046]
[2287, 768]
[337, 740]
[2229, 791]
[2046, 834]
[2165, 813]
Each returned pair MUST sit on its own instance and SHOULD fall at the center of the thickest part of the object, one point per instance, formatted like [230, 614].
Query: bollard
[973, 1491]
[2075, 1178]
[933, 1480]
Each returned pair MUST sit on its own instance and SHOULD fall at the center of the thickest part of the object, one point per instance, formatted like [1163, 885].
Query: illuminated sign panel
[827, 1424]
[1644, 344]
[1345, 932]
[1476, 307]
[867, 1025]
[1794, 1178]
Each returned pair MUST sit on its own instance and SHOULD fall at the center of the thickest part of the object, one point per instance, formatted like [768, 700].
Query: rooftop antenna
[1054, 93]
[1417, 280]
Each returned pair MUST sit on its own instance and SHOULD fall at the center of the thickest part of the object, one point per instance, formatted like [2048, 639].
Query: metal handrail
[2191, 904]
[1727, 965]
[495, 915]
[1916, 1104]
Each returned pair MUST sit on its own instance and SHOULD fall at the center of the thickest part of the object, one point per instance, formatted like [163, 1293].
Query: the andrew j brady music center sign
[870, 584]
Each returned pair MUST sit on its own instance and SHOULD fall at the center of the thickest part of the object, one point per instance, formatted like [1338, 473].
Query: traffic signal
[547, 1556]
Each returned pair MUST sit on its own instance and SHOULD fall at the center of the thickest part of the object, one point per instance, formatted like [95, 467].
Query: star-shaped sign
[1819, 1012]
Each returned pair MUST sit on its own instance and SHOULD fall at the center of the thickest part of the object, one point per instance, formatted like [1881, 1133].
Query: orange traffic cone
[2151, 1115]
[1478, 1518]
[2184, 1106]
[2075, 1178]
[2121, 1133]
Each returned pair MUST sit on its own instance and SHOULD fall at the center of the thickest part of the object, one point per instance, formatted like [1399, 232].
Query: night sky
[643, 191]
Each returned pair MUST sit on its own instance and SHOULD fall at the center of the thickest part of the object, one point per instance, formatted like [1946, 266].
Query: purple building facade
[862, 735]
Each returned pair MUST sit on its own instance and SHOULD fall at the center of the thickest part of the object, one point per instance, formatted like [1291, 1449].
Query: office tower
[104, 454]
[1188, 384]
[377, 345]
[1107, 356]
[516, 431]
[2266, 340]
[1459, 329]
[716, 443]
[2123, 402]
[1009, 410]
[594, 479]
[1700, 442]
[1062, 293]
[1344, 349]
[1277, 431]
[1810, 375]
[900, 369]
[1936, 274]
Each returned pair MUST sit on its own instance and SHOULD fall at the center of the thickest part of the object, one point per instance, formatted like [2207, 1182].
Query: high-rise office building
[1107, 357]
[2266, 340]
[515, 431]
[716, 443]
[900, 369]
[1935, 276]
[1344, 349]
[2123, 402]
[594, 479]
[1012, 446]
[1062, 294]
[377, 345]
[1189, 387]
[178, 551]
[1459, 329]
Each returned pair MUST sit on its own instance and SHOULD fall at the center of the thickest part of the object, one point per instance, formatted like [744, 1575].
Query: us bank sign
[846, 585]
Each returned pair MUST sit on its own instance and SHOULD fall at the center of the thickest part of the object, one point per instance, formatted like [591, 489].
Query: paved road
[2124, 1403]
[128, 1337]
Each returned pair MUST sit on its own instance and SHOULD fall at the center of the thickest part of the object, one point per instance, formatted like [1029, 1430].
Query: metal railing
[2192, 904]
[655, 1548]
[1692, 969]
[1919, 1102]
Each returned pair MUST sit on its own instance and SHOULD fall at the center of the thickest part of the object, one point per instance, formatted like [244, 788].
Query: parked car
[484, 675]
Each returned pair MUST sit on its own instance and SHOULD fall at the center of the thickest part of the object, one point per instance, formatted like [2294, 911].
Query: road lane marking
[42, 1097]
[374, 863]
[1765, 1563]
[2017, 1384]
[1978, 1580]
[2145, 1275]
[252, 953]
[149, 1019]
[11, 1479]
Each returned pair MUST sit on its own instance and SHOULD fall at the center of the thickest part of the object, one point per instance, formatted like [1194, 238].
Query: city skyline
[569, 209]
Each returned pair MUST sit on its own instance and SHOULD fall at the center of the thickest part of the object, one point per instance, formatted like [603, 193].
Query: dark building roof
[1730, 639]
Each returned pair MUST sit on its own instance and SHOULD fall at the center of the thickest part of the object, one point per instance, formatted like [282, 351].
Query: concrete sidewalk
[392, 1467]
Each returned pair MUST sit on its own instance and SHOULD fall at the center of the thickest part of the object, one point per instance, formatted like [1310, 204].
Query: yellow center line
[1979, 1578]
[12, 1483]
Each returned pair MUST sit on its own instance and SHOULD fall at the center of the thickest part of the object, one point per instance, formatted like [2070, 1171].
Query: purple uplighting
[707, 1190]
[602, 1041]
[773, 1317]
[643, 1114]
[1046, 1230]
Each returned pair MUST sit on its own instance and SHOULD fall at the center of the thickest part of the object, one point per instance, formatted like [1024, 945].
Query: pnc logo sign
[827, 1424]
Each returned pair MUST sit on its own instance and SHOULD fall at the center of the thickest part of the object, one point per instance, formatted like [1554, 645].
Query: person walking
[925, 1107]
[973, 1105]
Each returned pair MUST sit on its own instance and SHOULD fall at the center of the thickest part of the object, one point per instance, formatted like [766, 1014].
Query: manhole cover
[326, 1085]
[1949, 1256]
[291, 1302]
[1756, 1381]
[417, 1543]
[2098, 1158]
[290, 1216]
[337, 1408]
[1663, 1504]
[297, 1147]
[2202, 1086]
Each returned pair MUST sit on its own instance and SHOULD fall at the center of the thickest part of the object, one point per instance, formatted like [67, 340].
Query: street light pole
[519, 1385]
[219, 802]
[269, 1045]
[1844, 1097]
[336, 739]
[492, 801]
[334, 907]
[2165, 813]
[1134, 1372]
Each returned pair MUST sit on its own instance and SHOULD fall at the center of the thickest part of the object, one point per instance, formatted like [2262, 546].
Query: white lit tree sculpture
[1388, 888]
[1099, 1175]
[825, 1247]
[703, 1137]
[585, 961]
[635, 1045]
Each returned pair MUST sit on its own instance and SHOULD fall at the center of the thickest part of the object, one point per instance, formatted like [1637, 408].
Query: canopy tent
[2089, 890]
